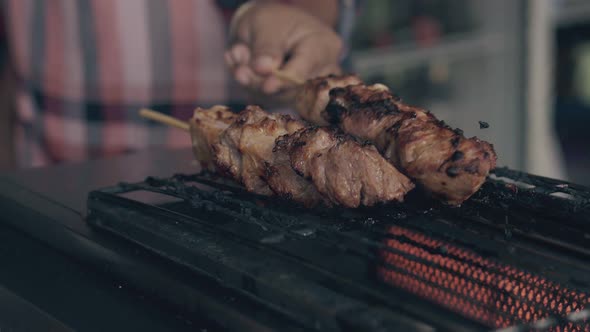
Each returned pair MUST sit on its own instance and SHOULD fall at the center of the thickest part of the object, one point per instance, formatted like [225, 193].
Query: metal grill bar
[264, 278]
[453, 257]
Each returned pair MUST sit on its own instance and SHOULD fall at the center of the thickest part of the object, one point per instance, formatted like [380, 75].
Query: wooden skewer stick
[288, 78]
[165, 119]
[168, 120]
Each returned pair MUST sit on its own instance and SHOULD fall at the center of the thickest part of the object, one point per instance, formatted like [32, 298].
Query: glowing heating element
[463, 281]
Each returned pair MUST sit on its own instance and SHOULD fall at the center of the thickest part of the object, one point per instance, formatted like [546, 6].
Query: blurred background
[523, 67]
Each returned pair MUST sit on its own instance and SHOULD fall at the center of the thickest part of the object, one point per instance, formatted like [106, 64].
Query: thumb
[267, 55]
[300, 65]
[305, 59]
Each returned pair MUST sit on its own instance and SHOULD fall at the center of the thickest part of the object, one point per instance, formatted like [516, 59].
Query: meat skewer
[272, 154]
[441, 160]
[288, 78]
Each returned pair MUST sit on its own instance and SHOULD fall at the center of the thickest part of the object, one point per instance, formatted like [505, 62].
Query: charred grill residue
[457, 155]
[335, 112]
[453, 171]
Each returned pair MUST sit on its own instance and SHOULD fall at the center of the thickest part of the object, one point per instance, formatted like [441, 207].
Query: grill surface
[514, 257]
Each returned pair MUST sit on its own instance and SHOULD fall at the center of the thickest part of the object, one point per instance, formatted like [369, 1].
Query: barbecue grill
[514, 257]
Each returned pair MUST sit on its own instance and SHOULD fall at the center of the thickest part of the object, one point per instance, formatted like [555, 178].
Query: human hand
[266, 36]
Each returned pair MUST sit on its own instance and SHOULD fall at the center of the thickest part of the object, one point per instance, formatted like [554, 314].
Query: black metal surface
[16, 314]
[41, 290]
[514, 254]
[48, 205]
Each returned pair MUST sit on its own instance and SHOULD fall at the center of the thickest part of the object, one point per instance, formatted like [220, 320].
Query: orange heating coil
[495, 294]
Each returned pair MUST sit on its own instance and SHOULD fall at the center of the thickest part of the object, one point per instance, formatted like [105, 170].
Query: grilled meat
[260, 151]
[344, 170]
[246, 146]
[441, 160]
[313, 97]
[206, 127]
[284, 180]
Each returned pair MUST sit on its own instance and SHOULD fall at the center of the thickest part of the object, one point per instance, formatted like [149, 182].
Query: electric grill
[515, 257]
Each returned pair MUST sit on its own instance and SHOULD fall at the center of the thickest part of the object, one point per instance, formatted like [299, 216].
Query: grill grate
[513, 258]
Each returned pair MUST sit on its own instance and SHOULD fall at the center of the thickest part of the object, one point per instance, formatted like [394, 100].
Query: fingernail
[240, 53]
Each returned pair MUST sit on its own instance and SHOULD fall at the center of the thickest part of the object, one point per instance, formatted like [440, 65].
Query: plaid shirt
[85, 68]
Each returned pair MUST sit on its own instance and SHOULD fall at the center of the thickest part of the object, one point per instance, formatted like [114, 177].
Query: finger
[267, 54]
[300, 66]
[242, 76]
[229, 61]
[266, 64]
[246, 77]
[240, 54]
[274, 84]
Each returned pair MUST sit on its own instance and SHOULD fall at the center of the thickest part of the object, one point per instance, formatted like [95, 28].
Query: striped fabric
[85, 68]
